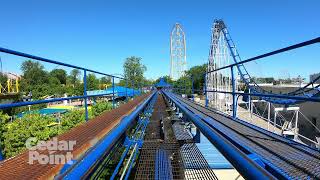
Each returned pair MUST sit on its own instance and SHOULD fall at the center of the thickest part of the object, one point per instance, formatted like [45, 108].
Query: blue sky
[101, 34]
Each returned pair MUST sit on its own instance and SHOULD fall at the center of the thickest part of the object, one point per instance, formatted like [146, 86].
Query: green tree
[105, 80]
[60, 74]
[74, 76]
[33, 74]
[134, 70]
[92, 82]
[197, 74]
[3, 79]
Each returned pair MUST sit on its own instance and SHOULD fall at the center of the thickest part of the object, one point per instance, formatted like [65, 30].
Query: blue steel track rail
[271, 156]
[87, 162]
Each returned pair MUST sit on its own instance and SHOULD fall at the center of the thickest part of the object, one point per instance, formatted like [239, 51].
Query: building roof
[162, 83]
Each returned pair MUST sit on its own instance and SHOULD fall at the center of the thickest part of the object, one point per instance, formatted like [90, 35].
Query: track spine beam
[248, 168]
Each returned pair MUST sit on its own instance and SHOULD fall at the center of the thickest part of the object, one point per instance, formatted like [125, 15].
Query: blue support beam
[83, 165]
[126, 90]
[234, 96]
[113, 106]
[247, 167]
[85, 94]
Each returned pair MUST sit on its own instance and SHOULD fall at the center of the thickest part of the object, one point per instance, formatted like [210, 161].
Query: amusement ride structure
[220, 82]
[156, 134]
[177, 52]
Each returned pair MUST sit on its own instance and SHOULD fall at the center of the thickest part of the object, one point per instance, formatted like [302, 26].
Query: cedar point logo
[50, 149]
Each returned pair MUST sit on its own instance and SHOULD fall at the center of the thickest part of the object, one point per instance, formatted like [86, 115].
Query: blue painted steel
[256, 88]
[11, 105]
[1, 155]
[234, 101]
[113, 92]
[276, 171]
[85, 94]
[214, 158]
[163, 168]
[162, 84]
[133, 88]
[126, 90]
[119, 91]
[115, 172]
[246, 166]
[131, 163]
[299, 45]
[302, 98]
[44, 111]
[82, 166]
[129, 142]
[8, 51]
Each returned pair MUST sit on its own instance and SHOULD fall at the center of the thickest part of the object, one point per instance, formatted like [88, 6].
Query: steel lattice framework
[219, 56]
[177, 52]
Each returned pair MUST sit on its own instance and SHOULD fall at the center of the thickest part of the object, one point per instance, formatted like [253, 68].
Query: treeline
[184, 83]
[41, 83]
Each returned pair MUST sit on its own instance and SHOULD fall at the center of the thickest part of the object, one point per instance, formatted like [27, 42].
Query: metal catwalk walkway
[168, 151]
[281, 157]
[95, 129]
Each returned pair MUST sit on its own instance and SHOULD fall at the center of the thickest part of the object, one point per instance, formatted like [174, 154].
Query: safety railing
[262, 95]
[234, 91]
[85, 96]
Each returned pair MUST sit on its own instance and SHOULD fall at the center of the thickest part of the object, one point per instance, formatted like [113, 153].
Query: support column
[113, 105]
[85, 94]
[234, 98]
[269, 114]
[296, 126]
[275, 121]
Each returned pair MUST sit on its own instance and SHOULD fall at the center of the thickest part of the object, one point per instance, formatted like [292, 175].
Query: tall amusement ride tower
[177, 52]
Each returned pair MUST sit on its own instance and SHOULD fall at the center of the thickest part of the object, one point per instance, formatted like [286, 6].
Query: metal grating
[163, 168]
[181, 133]
[195, 165]
[147, 161]
[160, 154]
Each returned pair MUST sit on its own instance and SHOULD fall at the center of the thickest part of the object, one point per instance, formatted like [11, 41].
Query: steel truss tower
[177, 52]
[219, 56]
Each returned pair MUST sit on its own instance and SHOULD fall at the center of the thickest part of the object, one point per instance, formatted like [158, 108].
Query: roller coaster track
[309, 90]
[283, 158]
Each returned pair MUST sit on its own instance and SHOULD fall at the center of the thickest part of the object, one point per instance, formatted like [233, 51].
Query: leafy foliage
[13, 135]
[60, 75]
[3, 78]
[134, 70]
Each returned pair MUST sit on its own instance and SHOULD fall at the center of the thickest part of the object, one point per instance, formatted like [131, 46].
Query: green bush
[14, 134]
[101, 107]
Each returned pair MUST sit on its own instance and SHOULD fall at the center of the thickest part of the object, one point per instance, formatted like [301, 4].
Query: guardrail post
[85, 94]
[126, 89]
[113, 92]
[1, 155]
[234, 99]
[205, 89]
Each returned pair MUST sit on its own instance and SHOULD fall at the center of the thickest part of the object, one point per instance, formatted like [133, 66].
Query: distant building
[314, 76]
[12, 76]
